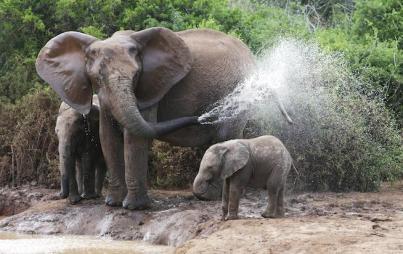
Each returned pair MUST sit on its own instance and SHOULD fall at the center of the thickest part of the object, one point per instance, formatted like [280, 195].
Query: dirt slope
[314, 223]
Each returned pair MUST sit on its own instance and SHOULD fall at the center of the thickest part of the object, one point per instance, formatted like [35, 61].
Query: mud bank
[174, 218]
[314, 223]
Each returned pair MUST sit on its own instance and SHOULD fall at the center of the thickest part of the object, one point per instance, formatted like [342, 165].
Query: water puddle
[12, 243]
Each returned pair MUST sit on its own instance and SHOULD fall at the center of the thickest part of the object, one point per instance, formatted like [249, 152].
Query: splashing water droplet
[288, 65]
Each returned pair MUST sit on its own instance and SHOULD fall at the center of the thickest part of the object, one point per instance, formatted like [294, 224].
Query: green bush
[344, 138]
[380, 64]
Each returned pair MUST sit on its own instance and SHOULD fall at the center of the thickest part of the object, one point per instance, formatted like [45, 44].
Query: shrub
[344, 138]
[173, 166]
[28, 141]
[379, 63]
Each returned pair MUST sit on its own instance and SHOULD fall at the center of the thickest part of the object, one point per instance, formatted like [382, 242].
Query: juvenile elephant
[81, 163]
[151, 84]
[261, 162]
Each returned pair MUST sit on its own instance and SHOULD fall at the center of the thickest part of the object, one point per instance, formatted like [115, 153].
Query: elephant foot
[110, 200]
[280, 214]
[63, 195]
[74, 199]
[231, 217]
[89, 195]
[115, 196]
[137, 202]
[267, 214]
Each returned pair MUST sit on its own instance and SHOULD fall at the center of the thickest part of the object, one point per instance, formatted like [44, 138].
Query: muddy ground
[314, 223]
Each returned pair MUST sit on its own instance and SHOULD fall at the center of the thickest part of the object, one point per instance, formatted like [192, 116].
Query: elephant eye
[91, 52]
[132, 50]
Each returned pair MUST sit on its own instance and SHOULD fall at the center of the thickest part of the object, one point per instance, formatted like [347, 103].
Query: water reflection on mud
[12, 243]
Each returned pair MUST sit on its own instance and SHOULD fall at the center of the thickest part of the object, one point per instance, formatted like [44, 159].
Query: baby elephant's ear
[234, 159]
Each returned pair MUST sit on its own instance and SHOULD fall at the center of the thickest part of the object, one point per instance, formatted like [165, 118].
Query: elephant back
[220, 62]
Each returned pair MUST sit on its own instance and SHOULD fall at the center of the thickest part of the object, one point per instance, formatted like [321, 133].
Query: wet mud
[314, 222]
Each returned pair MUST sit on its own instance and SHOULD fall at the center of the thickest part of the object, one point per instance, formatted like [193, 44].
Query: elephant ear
[166, 60]
[61, 63]
[234, 159]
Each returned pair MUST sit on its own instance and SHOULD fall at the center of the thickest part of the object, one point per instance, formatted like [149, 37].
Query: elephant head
[219, 162]
[130, 71]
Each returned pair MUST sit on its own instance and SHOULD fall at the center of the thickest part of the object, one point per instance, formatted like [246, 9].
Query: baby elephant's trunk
[207, 190]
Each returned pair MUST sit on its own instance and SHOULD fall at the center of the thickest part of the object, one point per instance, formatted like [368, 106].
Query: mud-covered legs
[225, 194]
[136, 167]
[232, 191]
[275, 207]
[112, 145]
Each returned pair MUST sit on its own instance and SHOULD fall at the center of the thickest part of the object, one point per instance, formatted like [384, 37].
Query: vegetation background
[367, 32]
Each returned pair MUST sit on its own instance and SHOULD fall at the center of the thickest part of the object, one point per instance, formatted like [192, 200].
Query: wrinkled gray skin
[151, 84]
[81, 163]
[261, 162]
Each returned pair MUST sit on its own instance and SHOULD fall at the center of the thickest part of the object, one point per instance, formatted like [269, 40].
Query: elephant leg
[280, 203]
[235, 192]
[64, 180]
[79, 175]
[88, 172]
[136, 166]
[112, 146]
[136, 160]
[66, 167]
[273, 191]
[100, 176]
[74, 195]
[225, 195]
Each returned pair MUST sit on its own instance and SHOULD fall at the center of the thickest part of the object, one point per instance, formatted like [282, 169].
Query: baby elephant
[261, 162]
[81, 163]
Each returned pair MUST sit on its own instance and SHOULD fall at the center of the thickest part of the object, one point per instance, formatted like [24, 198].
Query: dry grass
[173, 166]
[28, 149]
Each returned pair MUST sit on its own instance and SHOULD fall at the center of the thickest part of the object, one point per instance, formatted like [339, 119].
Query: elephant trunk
[123, 104]
[206, 189]
[200, 186]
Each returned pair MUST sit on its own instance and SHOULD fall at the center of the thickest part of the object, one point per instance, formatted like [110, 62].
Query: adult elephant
[150, 83]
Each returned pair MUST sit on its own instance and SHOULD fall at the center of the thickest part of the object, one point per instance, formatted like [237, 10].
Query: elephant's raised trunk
[123, 104]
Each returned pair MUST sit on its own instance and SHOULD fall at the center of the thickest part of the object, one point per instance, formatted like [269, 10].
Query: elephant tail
[281, 107]
[295, 169]
[298, 175]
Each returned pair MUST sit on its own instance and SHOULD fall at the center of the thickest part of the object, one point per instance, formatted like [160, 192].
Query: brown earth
[314, 223]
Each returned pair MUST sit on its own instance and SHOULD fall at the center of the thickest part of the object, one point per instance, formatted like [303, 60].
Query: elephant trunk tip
[200, 188]
[194, 120]
[199, 196]
[166, 127]
[289, 120]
